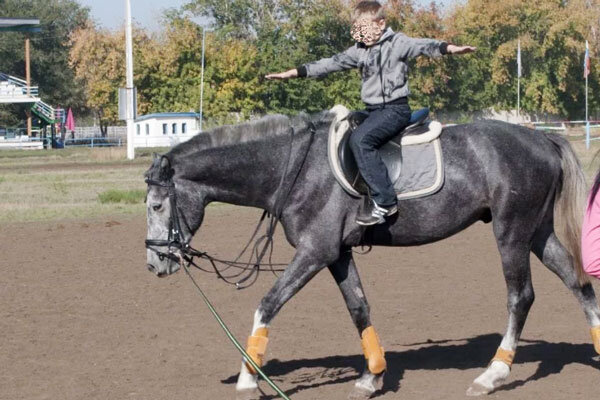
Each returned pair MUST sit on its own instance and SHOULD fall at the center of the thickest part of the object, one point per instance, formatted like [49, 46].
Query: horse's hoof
[247, 394]
[477, 389]
[359, 393]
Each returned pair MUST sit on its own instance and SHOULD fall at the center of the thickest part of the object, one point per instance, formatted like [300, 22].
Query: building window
[147, 129]
[165, 129]
[174, 129]
[184, 128]
[138, 129]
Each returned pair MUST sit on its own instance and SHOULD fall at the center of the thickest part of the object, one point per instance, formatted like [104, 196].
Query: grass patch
[80, 183]
[122, 196]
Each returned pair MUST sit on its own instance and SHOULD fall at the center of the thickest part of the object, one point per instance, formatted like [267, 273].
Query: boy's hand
[452, 49]
[292, 73]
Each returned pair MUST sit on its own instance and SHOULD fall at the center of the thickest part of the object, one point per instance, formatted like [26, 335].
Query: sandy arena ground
[82, 318]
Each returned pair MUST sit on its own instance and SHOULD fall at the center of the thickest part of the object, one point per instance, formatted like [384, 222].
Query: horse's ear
[164, 163]
[166, 172]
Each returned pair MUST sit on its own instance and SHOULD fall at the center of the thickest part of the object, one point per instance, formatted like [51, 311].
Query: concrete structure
[165, 129]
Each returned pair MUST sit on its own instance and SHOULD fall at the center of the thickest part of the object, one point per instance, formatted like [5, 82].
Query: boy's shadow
[433, 355]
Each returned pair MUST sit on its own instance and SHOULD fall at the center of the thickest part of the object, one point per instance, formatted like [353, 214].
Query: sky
[111, 13]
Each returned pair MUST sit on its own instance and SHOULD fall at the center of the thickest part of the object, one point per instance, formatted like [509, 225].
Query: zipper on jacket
[381, 75]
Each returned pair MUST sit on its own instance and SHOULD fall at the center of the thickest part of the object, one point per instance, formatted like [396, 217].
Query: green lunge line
[233, 339]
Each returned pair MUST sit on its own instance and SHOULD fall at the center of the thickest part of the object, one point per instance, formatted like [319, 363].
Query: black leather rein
[180, 251]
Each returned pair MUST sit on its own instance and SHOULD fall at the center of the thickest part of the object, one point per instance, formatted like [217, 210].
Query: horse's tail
[570, 201]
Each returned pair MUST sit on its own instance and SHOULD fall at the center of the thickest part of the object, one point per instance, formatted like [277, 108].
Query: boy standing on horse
[381, 56]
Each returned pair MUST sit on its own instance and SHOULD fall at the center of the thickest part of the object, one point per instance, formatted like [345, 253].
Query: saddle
[413, 157]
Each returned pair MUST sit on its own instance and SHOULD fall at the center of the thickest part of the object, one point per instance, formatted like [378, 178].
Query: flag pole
[202, 80]
[586, 72]
[519, 81]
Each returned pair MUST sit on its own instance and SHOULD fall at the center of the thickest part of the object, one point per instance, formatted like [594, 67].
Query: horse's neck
[246, 174]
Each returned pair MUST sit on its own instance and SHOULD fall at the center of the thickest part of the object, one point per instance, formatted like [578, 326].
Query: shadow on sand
[460, 354]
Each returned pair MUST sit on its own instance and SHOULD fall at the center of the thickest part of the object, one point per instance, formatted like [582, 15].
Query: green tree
[552, 34]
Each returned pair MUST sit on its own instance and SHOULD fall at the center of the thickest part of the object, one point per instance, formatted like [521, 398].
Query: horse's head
[170, 226]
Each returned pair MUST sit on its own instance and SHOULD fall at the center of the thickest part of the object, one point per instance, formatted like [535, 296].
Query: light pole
[129, 89]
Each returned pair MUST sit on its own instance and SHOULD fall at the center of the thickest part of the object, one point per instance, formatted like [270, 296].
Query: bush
[122, 196]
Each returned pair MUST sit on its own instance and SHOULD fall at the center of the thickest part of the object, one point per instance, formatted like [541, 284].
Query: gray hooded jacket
[383, 66]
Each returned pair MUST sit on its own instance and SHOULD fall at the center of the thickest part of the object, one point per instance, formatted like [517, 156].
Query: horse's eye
[156, 206]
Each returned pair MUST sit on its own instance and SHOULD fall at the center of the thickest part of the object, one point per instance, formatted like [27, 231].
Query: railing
[19, 84]
[564, 126]
[94, 142]
[45, 110]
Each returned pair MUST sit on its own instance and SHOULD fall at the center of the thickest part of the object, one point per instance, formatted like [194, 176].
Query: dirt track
[82, 318]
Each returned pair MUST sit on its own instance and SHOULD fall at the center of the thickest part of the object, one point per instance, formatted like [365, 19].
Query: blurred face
[367, 30]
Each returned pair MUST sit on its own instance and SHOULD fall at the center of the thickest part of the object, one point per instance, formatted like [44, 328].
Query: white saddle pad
[421, 172]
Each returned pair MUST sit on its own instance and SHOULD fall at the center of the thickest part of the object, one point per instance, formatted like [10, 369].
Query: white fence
[94, 131]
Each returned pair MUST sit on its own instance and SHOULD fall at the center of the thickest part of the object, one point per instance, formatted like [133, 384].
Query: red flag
[70, 121]
[586, 61]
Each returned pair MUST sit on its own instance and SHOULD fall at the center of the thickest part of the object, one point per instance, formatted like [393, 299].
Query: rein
[178, 247]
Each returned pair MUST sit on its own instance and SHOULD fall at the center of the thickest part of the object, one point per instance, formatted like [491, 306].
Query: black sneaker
[373, 214]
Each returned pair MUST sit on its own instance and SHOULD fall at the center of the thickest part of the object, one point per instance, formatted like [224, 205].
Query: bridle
[175, 237]
[180, 251]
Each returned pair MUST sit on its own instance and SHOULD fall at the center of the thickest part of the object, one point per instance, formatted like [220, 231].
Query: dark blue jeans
[381, 125]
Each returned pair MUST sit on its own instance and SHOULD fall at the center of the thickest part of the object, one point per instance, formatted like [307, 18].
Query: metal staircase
[15, 90]
[47, 112]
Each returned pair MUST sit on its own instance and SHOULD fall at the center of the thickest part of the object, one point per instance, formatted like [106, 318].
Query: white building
[165, 129]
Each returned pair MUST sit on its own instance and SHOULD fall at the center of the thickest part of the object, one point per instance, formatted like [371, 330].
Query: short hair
[372, 7]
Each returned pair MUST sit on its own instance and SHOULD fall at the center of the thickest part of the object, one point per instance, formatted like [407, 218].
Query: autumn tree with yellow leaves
[249, 39]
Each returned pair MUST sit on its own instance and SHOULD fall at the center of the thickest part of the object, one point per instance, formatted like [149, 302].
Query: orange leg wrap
[596, 338]
[505, 356]
[373, 351]
[256, 348]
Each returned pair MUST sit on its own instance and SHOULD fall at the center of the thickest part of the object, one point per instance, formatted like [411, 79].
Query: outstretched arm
[292, 73]
[342, 61]
[408, 47]
[452, 49]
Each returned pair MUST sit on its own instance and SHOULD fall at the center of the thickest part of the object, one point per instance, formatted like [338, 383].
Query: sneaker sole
[381, 221]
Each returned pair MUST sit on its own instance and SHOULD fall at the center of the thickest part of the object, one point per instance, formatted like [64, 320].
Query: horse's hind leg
[346, 276]
[517, 272]
[553, 255]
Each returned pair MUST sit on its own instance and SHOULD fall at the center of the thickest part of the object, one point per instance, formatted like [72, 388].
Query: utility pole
[129, 89]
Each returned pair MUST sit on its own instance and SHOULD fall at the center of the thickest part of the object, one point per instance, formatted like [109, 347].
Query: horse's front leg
[346, 276]
[301, 270]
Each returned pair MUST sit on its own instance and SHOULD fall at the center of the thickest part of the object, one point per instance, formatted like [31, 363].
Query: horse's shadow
[460, 354]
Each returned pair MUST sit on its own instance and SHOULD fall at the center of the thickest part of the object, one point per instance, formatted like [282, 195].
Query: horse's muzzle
[158, 273]
[172, 268]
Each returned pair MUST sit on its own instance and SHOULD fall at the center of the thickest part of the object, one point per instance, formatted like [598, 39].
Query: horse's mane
[264, 128]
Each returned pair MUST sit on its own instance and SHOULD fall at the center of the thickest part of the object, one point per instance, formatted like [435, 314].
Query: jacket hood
[389, 32]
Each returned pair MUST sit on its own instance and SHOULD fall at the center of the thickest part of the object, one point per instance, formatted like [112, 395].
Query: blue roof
[168, 115]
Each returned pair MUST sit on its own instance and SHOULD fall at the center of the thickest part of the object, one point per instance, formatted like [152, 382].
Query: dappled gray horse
[511, 176]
